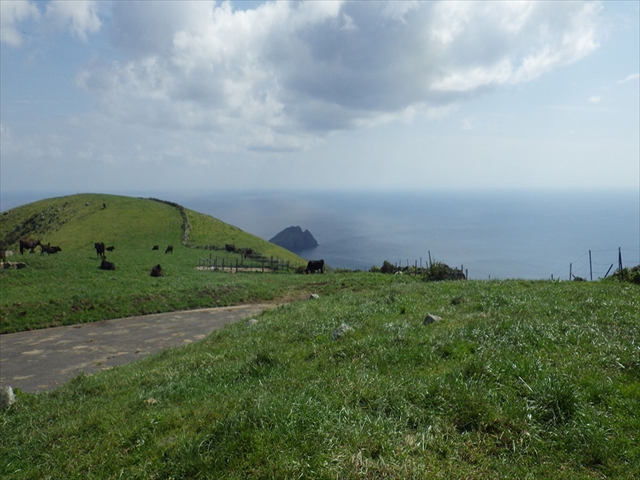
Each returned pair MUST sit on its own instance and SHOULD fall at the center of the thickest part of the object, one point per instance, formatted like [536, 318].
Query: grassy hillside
[206, 230]
[68, 287]
[77, 221]
[519, 380]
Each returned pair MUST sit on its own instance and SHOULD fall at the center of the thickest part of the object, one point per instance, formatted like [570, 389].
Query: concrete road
[44, 359]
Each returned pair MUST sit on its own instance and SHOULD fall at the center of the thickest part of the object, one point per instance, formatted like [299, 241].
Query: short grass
[521, 379]
[68, 287]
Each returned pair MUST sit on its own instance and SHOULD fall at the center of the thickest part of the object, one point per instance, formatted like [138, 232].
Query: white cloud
[488, 44]
[595, 99]
[398, 10]
[11, 14]
[80, 16]
[630, 78]
[286, 73]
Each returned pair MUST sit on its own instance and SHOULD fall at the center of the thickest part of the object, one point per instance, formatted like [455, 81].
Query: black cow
[156, 247]
[49, 250]
[107, 265]
[169, 249]
[314, 266]
[157, 271]
[230, 247]
[110, 249]
[99, 246]
[28, 244]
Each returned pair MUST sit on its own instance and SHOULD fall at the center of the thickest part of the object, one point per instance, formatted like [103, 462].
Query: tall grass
[519, 380]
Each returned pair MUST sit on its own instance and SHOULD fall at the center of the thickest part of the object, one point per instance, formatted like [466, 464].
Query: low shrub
[439, 271]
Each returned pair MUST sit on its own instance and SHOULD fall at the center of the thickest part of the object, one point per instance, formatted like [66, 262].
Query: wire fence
[593, 265]
[242, 264]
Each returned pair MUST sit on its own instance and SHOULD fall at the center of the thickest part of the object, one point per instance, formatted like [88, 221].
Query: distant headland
[294, 239]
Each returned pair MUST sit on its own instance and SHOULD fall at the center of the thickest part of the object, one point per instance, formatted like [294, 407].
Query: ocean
[498, 235]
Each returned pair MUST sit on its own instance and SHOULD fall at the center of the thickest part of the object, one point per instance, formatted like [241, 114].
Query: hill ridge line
[186, 225]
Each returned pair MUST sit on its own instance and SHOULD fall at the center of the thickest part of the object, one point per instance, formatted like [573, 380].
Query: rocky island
[295, 240]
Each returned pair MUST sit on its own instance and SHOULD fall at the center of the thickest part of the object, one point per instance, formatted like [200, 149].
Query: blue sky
[139, 97]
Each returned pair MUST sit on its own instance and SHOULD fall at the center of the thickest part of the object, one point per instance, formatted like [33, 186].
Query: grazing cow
[157, 271]
[48, 249]
[230, 247]
[314, 266]
[156, 247]
[99, 249]
[107, 265]
[110, 249]
[28, 244]
[169, 249]
[104, 205]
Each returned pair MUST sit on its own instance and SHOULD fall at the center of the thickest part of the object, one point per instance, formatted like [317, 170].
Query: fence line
[243, 264]
[589, 268]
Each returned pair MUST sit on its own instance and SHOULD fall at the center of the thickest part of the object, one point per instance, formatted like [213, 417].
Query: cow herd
[30, 244]
[313, 266]
[100, 248]
[245, 252]
[106, 265]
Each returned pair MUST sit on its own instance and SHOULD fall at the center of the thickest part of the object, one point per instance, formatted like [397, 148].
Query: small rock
[340, 331]
[252, 321]
[314, 296]
[7, 397]
[430, 318]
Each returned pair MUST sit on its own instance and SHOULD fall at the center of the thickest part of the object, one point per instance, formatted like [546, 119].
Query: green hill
[77, 221]
[69, 287]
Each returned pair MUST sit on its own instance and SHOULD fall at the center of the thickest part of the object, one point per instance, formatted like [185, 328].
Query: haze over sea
[531, 235]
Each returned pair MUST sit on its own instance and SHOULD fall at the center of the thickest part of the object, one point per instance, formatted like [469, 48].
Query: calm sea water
[529, 235]
[493, 235]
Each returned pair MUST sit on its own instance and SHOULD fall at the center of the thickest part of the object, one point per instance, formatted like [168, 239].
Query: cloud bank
[285, 74]
[340, 93]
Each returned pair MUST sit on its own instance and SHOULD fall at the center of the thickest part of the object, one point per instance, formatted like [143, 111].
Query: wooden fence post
[605, 275]
[620, 262]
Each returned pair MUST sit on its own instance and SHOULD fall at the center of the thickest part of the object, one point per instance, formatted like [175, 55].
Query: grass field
[520, 379]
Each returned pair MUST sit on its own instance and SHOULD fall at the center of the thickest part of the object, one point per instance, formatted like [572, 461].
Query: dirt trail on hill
[41, 360]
